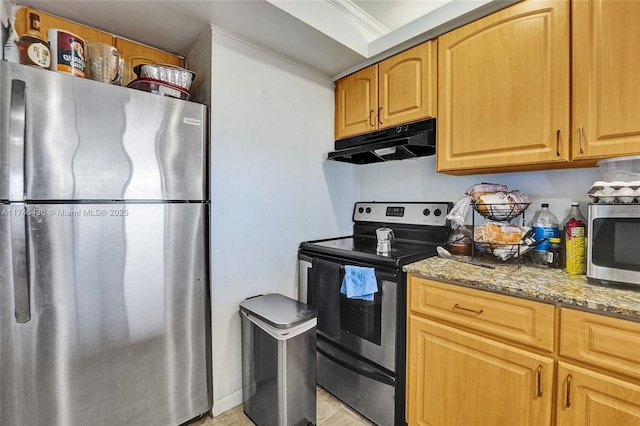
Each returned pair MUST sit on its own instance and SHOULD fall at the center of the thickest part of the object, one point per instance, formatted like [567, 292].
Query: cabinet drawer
[603, 341]
[519, 320]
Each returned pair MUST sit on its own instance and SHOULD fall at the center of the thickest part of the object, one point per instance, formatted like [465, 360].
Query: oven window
[361, 317]
[615, 243]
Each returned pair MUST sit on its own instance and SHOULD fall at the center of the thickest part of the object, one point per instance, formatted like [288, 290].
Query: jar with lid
[555, 256]
[34, 50]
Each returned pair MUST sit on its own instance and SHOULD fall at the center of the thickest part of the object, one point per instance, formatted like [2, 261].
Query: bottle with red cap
[575, 237]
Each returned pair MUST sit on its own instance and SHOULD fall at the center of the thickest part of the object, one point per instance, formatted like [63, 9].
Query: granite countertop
[542, 283]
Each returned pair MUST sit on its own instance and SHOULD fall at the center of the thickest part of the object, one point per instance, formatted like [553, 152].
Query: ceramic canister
[67, 52]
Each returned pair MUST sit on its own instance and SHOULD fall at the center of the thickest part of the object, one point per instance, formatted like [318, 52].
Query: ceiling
[331, 37]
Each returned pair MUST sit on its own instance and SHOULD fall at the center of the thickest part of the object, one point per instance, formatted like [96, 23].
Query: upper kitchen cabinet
[398, 90]
[503, 84]
[606, 89]
[356, 102]
[134, 54]
[407, 86]
[47, 22]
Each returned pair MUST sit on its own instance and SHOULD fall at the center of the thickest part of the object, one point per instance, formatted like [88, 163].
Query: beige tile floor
[330, 412]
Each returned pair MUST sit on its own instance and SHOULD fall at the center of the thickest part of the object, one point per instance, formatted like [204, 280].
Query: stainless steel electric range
[361, 343]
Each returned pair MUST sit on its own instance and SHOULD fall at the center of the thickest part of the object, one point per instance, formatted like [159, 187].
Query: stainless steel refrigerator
[104, 282]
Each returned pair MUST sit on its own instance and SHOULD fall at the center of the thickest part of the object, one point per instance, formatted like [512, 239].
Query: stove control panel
[409, 213]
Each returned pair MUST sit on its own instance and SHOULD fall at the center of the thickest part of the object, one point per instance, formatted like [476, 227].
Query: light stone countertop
[530, 281]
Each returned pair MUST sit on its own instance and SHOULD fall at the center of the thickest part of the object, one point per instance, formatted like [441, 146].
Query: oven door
[367, 328]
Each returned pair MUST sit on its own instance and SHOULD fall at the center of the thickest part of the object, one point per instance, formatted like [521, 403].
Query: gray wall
[413, 180]
[271, 127]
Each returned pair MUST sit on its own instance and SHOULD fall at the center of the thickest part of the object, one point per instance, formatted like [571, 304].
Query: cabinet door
[606, 89]
[357, 103]
[456, 378]
[503, 83]
[134, 54]
[48, 22]
[589, 398]
[407, 86]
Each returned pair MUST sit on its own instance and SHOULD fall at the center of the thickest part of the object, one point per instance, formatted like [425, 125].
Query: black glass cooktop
[363, 249]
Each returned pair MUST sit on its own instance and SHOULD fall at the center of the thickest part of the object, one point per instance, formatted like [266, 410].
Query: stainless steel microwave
[613, 236]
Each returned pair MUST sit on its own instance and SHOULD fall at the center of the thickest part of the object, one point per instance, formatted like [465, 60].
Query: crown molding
[359, 16]
[267, 51]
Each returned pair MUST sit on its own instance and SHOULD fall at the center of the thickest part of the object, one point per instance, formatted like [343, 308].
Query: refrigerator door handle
[21, 279]
[17, 129]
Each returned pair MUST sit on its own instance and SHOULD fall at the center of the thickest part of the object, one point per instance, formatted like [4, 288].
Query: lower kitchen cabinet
[456, 378]
[482, 358]
[586, 397]
[467, 357]
[606, 390]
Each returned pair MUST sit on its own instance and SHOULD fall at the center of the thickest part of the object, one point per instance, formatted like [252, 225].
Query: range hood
[411, 140]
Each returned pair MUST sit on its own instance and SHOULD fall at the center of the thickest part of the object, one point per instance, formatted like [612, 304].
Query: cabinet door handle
[379, 112]
[567, 402]
[371, 123]
[539, 380]
[581, 133]
[456, 306]
[558, 143]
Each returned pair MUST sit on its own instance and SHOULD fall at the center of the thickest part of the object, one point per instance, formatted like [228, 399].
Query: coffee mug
[105, 63]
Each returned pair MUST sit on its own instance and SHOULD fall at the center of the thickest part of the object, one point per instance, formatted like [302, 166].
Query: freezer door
[118, 332]
[93, 141]
[5, 98]
[6, 272]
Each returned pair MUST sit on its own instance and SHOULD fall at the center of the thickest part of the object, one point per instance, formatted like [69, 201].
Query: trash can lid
[279, 311]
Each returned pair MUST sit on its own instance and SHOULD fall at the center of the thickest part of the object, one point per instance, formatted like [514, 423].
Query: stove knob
[360, 210]
[426, 212]
[437, 212]
[368, 210]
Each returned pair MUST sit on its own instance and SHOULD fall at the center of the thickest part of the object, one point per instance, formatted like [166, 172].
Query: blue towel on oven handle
[359, 282]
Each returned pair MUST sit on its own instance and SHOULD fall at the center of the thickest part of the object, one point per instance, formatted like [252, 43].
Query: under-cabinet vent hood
[411, 140]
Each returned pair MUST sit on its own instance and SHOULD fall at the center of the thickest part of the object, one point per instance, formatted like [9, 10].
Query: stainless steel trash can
[278, 361]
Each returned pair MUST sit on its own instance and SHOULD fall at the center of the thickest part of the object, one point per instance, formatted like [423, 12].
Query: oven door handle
[305, 258]
[381, 275]
[367, 372]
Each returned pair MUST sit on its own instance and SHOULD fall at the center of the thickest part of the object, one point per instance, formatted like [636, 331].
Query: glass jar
[555, 257]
